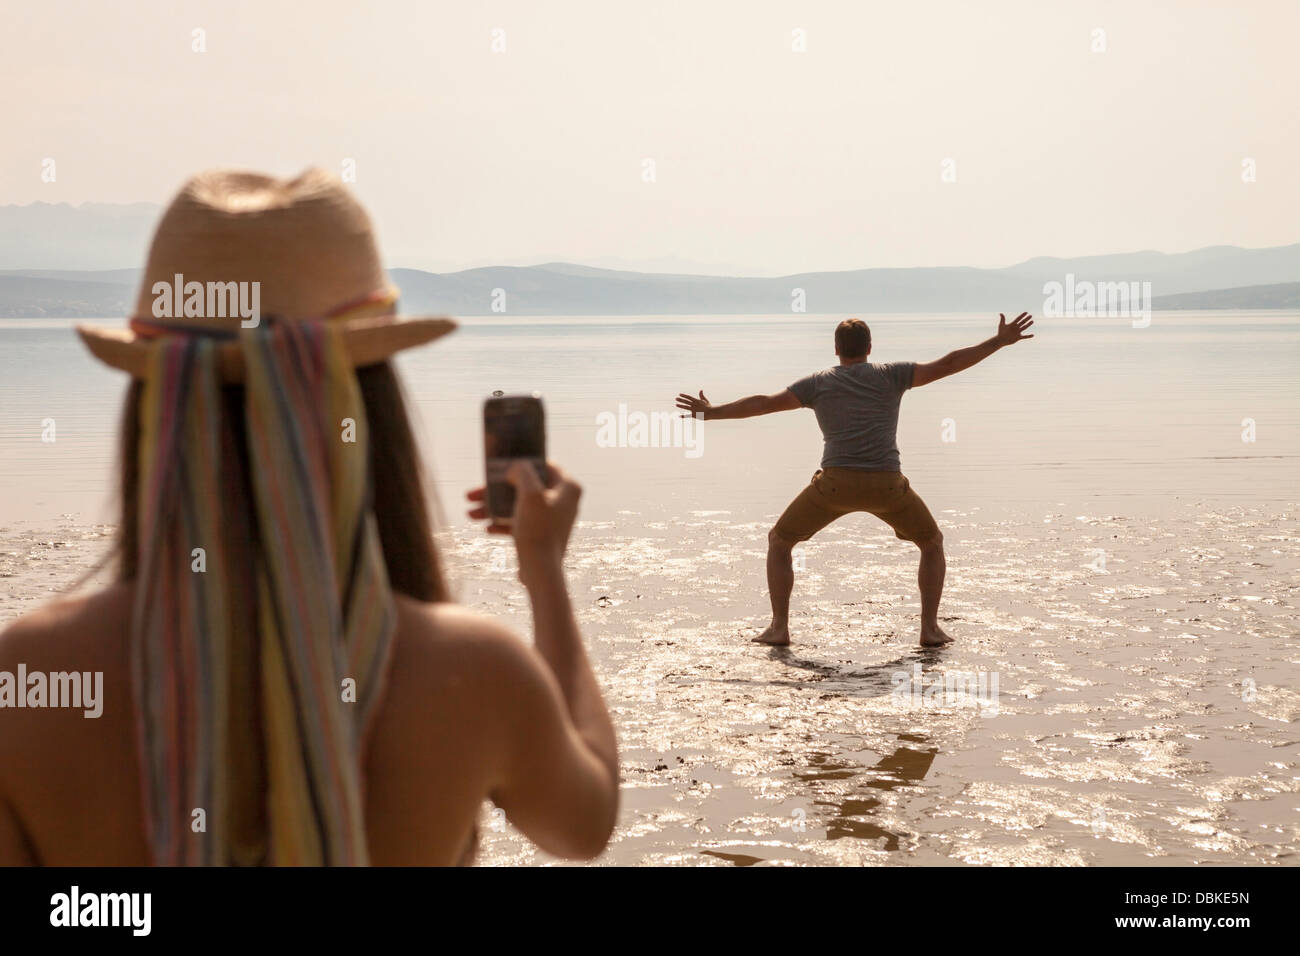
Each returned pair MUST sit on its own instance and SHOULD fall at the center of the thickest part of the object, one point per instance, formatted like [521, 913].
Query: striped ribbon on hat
[258, 660]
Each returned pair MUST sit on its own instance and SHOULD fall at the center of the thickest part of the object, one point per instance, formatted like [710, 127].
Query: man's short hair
[852, 339]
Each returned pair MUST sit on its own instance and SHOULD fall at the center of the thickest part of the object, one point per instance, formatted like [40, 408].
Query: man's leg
[911, 520]
[812, 509]
[930, 577]
[780, 582]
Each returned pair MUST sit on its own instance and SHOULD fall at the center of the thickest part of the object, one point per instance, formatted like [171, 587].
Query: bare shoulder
[467, 655]
[80, 631]
[445, 634]
[85, 635]
[452, 668]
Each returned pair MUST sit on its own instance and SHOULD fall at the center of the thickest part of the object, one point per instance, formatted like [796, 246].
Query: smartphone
[514, 427]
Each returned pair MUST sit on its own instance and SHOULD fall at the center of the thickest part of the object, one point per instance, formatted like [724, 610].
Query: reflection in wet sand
[1145, 713]
[739, 859]
[906, 765]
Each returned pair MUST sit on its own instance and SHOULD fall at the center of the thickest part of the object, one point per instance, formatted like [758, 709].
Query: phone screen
[514, 427]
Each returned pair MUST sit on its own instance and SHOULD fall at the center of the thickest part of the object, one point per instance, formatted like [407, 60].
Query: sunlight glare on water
[1123, 568]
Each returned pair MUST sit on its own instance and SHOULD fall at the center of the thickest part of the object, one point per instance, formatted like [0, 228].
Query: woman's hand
[561, 783]
[543, 517]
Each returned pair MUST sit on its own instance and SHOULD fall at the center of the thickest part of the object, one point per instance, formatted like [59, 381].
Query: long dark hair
[397, 485]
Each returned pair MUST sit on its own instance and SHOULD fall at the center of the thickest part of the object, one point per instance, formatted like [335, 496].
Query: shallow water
[1123, 572]
[1144, 711]
[1090, 410]
[1138, 704]
[1139, 707]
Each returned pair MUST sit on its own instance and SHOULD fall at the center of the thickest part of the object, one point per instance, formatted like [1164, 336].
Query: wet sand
[1145, 710]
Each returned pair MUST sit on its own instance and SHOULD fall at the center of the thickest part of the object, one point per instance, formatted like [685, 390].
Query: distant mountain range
[93, 235]
[1282, 295]
[1218, 277]
[575, 290]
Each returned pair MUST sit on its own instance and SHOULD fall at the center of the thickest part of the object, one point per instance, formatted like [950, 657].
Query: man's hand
[740, 408]
[1011, 333]
[697, 407]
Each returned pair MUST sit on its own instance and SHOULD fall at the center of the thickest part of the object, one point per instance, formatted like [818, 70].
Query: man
[856, 404]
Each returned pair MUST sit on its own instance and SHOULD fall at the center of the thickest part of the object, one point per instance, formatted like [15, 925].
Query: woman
[285, 680]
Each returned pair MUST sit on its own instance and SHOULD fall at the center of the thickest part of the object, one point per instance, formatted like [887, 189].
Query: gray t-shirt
[857, 409]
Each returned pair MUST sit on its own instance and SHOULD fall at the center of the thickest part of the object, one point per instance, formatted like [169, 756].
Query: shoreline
[1142, 712]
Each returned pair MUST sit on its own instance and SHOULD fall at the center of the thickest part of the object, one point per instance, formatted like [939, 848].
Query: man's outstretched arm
[700, 407]
[1009, 333]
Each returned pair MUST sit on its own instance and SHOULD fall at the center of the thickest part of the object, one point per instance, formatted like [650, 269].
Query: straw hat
[296, 249]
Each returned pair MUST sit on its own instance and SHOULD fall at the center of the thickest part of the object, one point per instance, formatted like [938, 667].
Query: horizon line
[712, 275]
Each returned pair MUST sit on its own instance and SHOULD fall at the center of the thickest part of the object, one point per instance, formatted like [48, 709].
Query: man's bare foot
[777, 636]
[933, 636]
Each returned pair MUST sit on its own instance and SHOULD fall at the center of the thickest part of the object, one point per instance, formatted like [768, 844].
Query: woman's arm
[14, 849]
[560, 782]
[542, 523]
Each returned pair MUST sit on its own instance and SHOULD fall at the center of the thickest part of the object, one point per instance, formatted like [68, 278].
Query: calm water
[1089, 411]
[1123, 563]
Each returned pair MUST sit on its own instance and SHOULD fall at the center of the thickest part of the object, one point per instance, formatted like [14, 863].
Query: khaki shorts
[834, 492]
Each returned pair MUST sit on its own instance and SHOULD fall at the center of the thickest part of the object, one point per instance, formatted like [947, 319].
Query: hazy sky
[767, 161]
